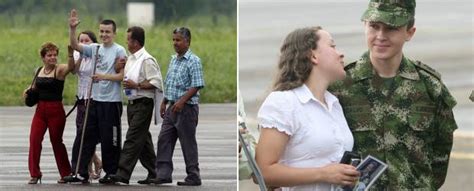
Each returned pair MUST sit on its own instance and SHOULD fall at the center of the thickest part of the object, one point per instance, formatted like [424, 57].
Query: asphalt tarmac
[216, 137]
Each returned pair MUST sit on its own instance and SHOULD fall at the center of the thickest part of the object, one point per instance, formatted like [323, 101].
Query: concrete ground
[216, 137]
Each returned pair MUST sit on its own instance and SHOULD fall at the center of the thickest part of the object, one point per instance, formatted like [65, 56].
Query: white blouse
[319, 135]
[84, 75]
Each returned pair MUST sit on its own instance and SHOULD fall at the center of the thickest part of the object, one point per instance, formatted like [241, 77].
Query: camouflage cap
[391, 12]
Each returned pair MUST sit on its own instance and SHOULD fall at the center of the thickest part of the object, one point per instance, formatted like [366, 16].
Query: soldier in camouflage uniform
[397, 109]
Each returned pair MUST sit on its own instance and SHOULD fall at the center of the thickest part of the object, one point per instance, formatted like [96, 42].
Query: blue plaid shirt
[184, 73]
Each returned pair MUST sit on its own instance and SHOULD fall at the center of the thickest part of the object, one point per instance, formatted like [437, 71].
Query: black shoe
[146, 181]
[117, 178]
[162, 181]
[189, 183]
[76, 178]
[106, 180]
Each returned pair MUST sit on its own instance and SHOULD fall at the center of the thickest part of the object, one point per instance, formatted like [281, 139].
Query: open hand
[73, 19]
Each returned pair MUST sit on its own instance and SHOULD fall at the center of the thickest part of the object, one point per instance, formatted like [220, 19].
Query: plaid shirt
[184, 73]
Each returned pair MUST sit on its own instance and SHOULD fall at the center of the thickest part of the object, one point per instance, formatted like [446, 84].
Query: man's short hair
[109, 22]
[138, 34]
[185, 32]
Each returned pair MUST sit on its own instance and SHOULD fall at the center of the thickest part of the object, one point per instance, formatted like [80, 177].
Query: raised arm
[73, 22]
[70, 59]
[65, 69]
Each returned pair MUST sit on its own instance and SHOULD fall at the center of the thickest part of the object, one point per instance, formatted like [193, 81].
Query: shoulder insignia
[428, 69]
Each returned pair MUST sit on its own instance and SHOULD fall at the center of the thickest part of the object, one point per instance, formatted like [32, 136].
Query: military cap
[394, 13]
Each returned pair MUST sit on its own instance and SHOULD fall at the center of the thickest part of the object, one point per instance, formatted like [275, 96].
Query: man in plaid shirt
[182, 84]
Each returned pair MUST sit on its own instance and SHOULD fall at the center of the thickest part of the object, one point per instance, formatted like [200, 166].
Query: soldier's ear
[411, 33]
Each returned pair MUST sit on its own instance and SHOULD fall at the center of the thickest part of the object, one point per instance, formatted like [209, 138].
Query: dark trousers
[81, 111]
[104, 126]
[181, 125]
[138, 144]
[49, 115]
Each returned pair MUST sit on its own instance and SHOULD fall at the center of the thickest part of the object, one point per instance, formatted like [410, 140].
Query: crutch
[252, 163]
[84, 124]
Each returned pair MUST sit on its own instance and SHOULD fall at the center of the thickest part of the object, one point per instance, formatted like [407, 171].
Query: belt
[139, 100]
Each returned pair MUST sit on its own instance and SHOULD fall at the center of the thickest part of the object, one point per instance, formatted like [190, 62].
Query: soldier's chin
[380, 55]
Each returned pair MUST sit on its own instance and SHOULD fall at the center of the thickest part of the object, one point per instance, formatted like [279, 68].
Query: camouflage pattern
[406, 122]
[395, 13]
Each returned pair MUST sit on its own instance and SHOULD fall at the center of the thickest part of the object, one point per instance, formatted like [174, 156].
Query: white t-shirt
[105, 90]
[318, 135]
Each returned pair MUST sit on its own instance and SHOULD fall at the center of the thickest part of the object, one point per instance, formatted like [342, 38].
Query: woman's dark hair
[90, 34]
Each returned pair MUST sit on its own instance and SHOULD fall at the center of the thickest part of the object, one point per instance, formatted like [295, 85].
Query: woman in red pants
[49, 112]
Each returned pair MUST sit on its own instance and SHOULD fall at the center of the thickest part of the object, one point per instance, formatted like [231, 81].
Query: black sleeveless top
[50, 89]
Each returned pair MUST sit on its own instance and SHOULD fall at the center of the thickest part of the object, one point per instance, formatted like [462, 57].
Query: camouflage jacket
[406, 122]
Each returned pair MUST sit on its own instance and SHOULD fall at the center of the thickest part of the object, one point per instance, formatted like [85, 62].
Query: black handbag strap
[36, 75]
[73, 107]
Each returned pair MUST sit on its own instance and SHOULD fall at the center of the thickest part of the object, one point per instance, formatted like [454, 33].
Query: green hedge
[215, 44]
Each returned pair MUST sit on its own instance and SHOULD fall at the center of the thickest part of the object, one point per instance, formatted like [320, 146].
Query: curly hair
[48, 46]
[294, 65]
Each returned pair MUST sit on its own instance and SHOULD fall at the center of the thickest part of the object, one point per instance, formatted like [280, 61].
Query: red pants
[49, 115]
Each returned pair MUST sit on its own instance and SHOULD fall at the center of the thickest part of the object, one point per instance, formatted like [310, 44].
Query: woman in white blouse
[303, 130]
[84, 68]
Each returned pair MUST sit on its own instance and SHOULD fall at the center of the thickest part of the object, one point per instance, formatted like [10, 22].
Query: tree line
[165, 10]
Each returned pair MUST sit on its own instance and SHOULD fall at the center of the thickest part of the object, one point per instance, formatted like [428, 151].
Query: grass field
[216, 45]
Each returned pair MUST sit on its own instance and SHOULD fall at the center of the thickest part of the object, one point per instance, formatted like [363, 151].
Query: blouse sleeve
[276, 112]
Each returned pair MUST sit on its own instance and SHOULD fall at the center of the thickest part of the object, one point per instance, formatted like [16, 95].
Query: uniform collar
[407, 70]
[364, 69]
